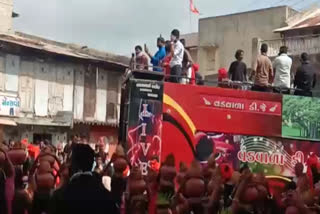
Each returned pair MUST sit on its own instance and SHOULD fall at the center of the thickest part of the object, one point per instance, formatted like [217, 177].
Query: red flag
[193, 9]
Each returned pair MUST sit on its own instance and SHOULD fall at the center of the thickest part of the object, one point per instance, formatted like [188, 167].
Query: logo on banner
[266, 151]
[144, 139]
[245, 105]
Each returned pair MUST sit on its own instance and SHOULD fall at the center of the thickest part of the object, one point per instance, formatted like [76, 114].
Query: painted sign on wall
[9, 106]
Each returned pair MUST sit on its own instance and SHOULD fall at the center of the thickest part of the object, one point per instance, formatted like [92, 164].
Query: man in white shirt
[177, 51]
[282, 68]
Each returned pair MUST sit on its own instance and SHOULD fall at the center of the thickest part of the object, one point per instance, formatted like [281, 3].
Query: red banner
[208, 109]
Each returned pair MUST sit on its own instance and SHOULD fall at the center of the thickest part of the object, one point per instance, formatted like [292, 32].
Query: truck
[267, 132]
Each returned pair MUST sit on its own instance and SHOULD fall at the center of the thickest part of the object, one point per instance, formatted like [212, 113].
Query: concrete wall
[220, 37]
[6, 9]
[194, 54]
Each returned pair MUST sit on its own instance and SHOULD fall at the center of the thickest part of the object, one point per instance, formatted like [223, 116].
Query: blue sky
[118, 25]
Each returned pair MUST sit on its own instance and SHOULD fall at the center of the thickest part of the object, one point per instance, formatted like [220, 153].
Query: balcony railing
[140, 74]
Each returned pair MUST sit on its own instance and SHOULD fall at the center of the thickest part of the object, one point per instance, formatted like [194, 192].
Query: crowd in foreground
[87, 183]
[175, 61]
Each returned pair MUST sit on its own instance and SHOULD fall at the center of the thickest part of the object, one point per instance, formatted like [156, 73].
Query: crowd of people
[33, 176]
[276, 76]
[87, 182]
[174, 59]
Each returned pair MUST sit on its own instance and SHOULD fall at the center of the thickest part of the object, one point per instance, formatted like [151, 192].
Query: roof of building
[71, 50]
[307, 19]
[192, 39]
[246, 12]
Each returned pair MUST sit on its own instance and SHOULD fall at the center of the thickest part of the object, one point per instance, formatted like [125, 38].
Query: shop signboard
[9, 106]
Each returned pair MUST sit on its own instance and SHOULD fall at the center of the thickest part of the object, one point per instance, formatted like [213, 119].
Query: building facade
[6, 13]
[220, 37]
[52, 90]
[192, 43]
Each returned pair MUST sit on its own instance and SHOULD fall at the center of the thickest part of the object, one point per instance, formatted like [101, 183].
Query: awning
[307, 19]
[62, 119]
[7, 122]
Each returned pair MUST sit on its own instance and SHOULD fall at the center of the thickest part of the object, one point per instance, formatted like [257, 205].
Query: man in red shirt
[166, 61]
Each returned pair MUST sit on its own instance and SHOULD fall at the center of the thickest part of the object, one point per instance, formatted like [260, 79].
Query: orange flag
[193, 9]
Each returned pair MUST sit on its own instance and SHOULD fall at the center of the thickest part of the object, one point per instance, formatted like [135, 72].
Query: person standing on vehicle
[139, 60]
[177, 52]
[159, 56]
[238, 69]
[262, 71]
[282, 68]
[165, 63]
[187, 63]
[305, 78]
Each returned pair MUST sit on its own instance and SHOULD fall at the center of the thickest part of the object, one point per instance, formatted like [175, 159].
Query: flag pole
[190, 20]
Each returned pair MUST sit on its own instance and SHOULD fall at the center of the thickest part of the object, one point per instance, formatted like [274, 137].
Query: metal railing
[245, 85]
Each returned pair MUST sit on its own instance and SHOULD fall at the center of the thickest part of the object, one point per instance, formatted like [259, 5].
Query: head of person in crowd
[304, 57]
[222, 74]
[75, 139]
[98, 160]
[101, 147]
[244, 169]
[283, 50]
[239, 55]
[138, 50]
[175, 35]
[264, 49]
[11, 143]
[298, 169]
[160, 42]
[82, 158]
[98, 164]
[291, 186]
[84, 139]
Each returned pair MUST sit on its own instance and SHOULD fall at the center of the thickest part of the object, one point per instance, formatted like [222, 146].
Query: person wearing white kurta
[282, 67]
